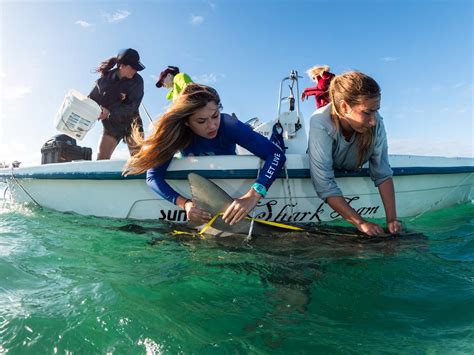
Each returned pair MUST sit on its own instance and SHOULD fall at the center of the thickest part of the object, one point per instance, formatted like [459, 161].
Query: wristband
[262, 190]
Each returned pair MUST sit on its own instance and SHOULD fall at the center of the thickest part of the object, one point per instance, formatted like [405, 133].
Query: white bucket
[77, 115]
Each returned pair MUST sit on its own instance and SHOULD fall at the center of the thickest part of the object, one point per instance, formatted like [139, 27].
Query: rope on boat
[249, 235]
[294, 79]
[146, 111]
[24, 190]
[441, 199]
[5, 195]
[5, 192]
[287, 178]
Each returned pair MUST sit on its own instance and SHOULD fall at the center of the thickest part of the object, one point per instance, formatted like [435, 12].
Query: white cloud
[390, 59]
[196, 20]
[117, 16]
[83, 24]
[17, 92]
[208, 78]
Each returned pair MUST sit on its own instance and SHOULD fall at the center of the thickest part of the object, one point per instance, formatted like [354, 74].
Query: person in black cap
[172, 79]
[119, 92]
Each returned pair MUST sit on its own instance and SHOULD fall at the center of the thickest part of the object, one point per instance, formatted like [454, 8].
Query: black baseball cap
[130, 57]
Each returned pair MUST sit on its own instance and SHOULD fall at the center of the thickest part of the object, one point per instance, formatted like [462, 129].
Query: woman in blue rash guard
[194, 125]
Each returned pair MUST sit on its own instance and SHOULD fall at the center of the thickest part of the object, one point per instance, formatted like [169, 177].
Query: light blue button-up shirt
[329, 150]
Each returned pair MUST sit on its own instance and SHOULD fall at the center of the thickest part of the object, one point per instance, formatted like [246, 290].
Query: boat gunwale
[295, 173]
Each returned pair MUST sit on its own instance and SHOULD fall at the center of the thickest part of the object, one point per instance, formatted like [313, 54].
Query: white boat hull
[98, 189]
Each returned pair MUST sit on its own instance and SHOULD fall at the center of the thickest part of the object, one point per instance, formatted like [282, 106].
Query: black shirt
[122, 97]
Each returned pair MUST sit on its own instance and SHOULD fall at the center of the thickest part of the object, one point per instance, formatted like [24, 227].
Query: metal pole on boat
[294, 75]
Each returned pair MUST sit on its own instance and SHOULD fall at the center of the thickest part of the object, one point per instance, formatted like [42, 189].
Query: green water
[78, 285]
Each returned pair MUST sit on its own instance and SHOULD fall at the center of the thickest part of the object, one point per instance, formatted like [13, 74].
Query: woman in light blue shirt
[345, 135]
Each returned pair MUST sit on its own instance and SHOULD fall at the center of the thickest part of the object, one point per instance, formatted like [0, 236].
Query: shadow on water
[317, 242]
[289, 263]
[291, 251]
[279, 279]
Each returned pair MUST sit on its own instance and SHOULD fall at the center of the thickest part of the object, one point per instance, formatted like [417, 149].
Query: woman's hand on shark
[195, 214]
[395, 226]
[369, 228]
[241, 207]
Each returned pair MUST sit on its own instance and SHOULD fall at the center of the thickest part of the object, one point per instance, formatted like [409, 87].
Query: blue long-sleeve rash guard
[231, 132]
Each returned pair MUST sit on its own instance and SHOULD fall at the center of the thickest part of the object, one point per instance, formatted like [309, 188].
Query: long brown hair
[106, 65]
[353, 87]
[170, 133]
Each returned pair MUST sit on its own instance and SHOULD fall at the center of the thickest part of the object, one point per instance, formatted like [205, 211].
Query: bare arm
[340, 205]
[387, 193]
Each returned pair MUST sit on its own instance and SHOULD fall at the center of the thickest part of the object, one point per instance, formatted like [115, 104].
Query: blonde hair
[170, 133]
[316, 71]
[353, 87]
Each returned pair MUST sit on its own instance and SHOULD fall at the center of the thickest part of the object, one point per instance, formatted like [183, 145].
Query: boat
[98, 188]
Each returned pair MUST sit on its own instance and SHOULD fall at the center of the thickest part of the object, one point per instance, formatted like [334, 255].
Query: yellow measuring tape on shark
[209, 224]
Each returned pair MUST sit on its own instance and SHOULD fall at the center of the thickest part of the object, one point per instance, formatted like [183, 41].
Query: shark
[208, 196]
[288, 263]
[321, 240]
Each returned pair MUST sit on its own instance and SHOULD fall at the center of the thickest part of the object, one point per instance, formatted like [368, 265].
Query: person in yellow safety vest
[171, 78]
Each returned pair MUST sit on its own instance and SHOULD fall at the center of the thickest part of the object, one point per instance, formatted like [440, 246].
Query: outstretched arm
[323, 178]
[381, 173]
[387, 193]
[308, 92]
[155, 178]
[274, 160]
[241, 207]
[340, 205]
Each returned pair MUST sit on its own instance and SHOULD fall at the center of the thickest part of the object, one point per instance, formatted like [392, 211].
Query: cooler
[62, 149]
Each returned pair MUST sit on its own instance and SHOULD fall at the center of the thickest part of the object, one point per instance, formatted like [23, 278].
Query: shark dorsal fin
[207, 195]
[211, 198]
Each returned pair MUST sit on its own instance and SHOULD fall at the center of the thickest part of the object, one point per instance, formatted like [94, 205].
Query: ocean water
[82, 285]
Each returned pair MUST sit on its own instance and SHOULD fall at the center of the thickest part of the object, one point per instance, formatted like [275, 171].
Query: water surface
[74, 284]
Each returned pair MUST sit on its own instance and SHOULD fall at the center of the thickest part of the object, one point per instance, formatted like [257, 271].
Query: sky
[419, 51]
